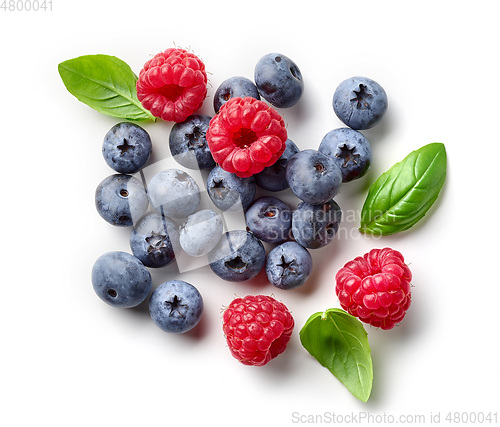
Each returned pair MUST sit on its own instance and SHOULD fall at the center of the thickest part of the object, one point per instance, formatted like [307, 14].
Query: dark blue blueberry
[188, 143]
[120, 279]
[126, 147]
[155, 240]
[288, 265]
[350, 150]
[273, 178]
[232, 88]
[315, 226]
[228, 191]
[121, 200]
[238, 256]
[360, 103]
[313, 177]
[279, 80]
[176, 306]
[270, 219]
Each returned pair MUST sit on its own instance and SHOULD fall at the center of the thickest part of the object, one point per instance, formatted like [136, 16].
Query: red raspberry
[257, 329]
[246, 136]
[376, 287]
[172, 85]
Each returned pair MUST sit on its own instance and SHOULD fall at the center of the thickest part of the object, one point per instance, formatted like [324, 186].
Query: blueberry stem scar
[236, 263]
[361, 97]
[175, 306]
[125, 146]
[286, 265]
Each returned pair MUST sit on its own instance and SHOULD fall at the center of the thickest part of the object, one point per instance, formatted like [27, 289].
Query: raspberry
[246, 136]
[172, 85]
[257, 329]
[376, 287]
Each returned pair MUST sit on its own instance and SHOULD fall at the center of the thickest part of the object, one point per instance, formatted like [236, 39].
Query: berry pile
[245, 146]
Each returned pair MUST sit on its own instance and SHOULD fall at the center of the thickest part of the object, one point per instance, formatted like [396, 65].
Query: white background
[69, 359]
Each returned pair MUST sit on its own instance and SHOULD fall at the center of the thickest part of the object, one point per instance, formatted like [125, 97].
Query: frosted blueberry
[273, 178]
[288, 265]
[126, 147]
[238, 256]
[270, 219]
[188, 143]
[120, 279]
[279, 80]
[200, 232]
[155, 240]
[315, 226]
[176, 306]
[121, 200]
[174, 193]
[313, 177]
[234, 87]
[350, 150]
[228, 191]
[360, 102]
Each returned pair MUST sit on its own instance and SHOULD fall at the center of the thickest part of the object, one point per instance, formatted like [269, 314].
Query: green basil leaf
[401, 197]
[106, 84]
[340, 343]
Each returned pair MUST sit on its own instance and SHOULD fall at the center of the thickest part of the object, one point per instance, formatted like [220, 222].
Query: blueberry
[188, 143]
[155, 240]
[228, 191]
[126, 147]
[234, 87]
[288, 265]
[359, 102]
[176, 306]
[315, 226]
[120, 279]
[174, 193]
[121, 200]
[273, 178]
[270, 219]
[238, 256]
[313, 176]
[200, 232]
[350, 150]
[279, 80]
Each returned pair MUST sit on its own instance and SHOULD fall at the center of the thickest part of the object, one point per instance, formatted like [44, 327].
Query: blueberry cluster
[123, 280]
[166, 217]
[314, 176]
